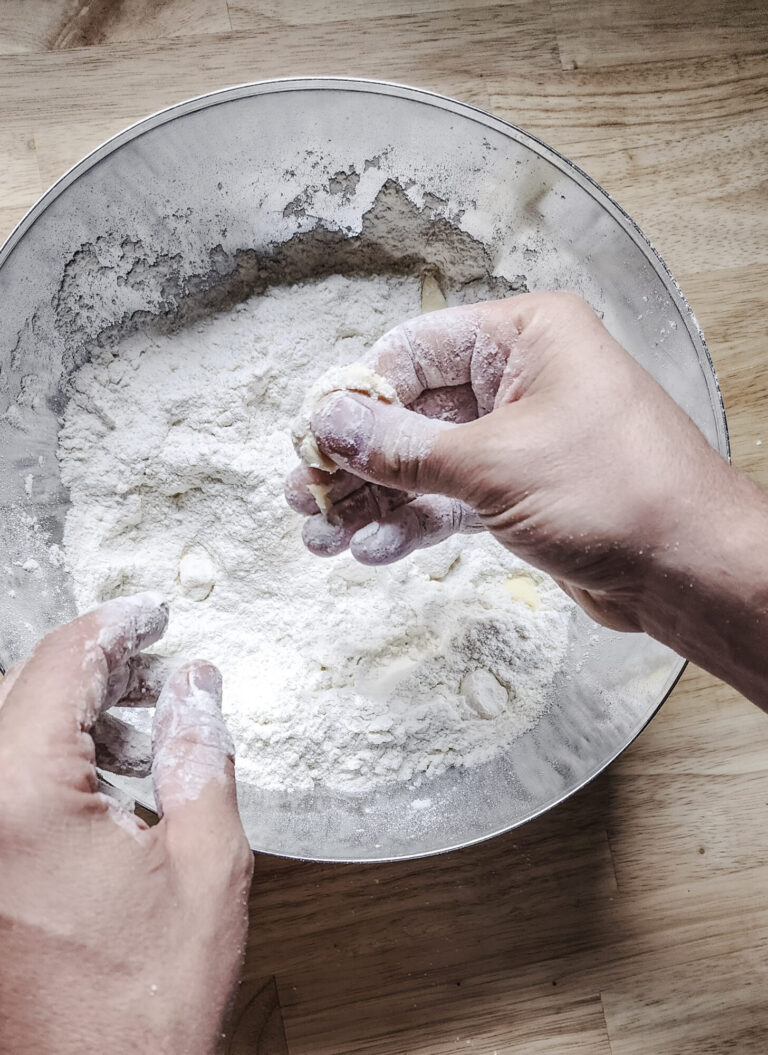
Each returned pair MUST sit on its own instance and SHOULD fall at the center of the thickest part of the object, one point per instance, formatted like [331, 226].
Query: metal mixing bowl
[174, 205]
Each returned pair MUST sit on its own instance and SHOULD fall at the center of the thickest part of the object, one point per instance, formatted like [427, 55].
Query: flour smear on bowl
[175, 448]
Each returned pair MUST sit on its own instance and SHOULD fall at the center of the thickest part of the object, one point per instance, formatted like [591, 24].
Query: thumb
[389, 445]
[193, 757]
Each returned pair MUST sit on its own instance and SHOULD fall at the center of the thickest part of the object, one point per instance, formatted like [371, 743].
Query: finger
[431, 351]
[192, 751]
[462, 346]
[80, 668]
[325, 536]
[382, 443]
[309, 490]
[422, 523]
[119, 747]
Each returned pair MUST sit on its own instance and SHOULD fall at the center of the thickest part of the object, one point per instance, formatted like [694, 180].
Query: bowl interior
[209, 201]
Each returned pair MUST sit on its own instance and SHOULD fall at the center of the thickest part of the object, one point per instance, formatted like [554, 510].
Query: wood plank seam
[612, 857]
[257, 1027]
[607, 1028]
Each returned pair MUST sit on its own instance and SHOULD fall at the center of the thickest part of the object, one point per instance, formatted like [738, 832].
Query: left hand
[116, 937]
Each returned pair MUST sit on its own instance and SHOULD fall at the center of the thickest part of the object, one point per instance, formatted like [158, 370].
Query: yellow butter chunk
[320, 494]
[522, 589]
[432, 298]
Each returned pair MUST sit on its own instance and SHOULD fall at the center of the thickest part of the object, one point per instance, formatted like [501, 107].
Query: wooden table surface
[632, 920]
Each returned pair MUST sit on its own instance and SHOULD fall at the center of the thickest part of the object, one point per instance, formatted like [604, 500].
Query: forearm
[36, 1032]
[43, 1011]
[707, 595]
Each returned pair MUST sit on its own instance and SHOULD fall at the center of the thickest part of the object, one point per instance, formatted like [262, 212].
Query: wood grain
[9, 217]
[734, 316]
[256, 1026]
[632, 920]
[29, 26]
[658, 130]
[252, 14]
[616, 32]
[20, 180]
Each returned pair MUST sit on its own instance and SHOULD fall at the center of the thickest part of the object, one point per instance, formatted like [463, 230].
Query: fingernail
[148, 598]
[368, 533]
[149, 605]
[379, 543]
[343, 424]
[133, 622]
[206, 678]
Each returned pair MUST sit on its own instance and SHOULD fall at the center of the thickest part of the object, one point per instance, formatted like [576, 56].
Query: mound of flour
[175, 449]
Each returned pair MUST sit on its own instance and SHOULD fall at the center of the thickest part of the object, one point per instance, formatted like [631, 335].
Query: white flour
[175, 451]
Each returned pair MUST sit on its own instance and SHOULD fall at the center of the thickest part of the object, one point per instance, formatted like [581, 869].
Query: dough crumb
[485, 694]
[197, 574]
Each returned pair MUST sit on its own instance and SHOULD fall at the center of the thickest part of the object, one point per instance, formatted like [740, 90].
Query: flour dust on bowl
[146, 391]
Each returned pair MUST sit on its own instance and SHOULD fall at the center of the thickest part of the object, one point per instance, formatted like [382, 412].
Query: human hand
[523, 417]
[116, 937]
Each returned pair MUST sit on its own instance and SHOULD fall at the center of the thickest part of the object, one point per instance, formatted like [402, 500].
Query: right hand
[523, 417]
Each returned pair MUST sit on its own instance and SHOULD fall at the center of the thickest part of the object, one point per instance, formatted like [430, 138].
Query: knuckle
[568, 300]
[231, 861]
[394, 342]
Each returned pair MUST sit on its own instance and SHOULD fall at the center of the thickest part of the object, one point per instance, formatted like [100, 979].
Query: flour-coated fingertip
[380, 543]
[145, 601]
[131, 622]
[322, 538]
[343, 424]
[296, 493]
[204, 677]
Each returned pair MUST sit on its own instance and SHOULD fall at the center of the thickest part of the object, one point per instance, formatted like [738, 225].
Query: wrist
[112, 1011]
[32, 1038]
[705, 593]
